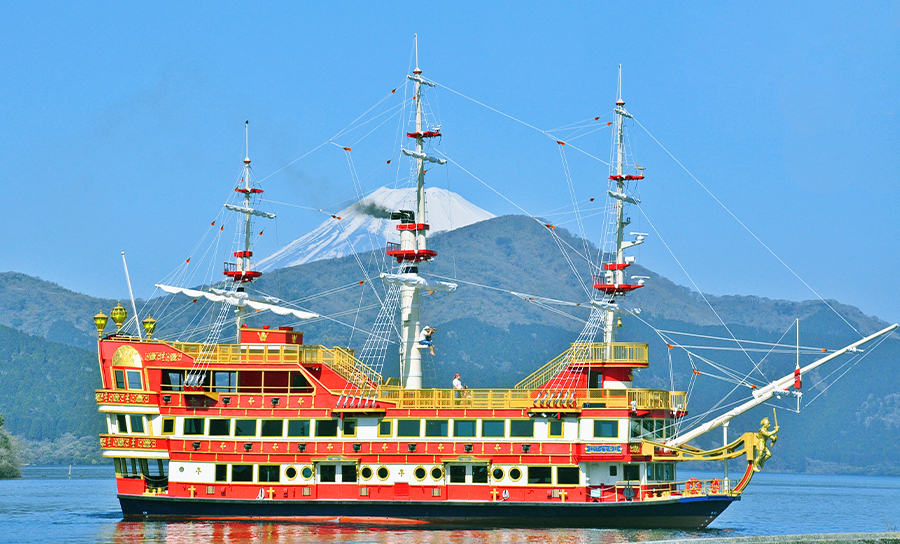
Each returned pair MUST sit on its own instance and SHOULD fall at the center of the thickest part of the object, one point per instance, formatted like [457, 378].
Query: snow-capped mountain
[365, 226]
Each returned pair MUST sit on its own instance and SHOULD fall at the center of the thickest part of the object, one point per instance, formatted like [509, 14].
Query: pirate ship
[268, 426]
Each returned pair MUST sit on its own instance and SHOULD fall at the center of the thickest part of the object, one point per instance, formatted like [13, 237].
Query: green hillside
[493, 339]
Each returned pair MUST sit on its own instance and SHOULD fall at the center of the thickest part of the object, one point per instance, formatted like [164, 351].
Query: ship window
[613, 470]
[660, 428]
[307, 473]
[271, 427]
[493, 428]
[384, 428]
[168, 425]
[245, 427]
[219, 427]
[669, 472]
[635, 428]
[275, 382]
[298, 427]
[326, 427]
[299, 383]
[383, 472]
[269, 473]
[291, 473]
[521, 428]
[568, 475]
[349, 427]
[221, 473]
[137, 424]
[479, 474]
[540, 475]
[193, 425]
[250, 381]
[632, 472]
[555, 428]
[436, 427]
[515, 474]
[420, 473]
[648, 428]
[224, 382]
[327, 473]
[457, 474]
[437, 473]
[409, 427]
[172, 380]
[134, 379]
[366, 472]
[464, 428]
[604, 428]
[348, 474]
[497, 473]
[241, 473]
[122, 423]
[120, 379]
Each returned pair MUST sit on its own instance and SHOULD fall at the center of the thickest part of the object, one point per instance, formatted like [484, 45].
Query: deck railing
[499, 399]
[613, 353]
[341, 360]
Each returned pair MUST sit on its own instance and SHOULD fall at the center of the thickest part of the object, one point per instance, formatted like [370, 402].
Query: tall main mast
[612, 282]
[413, 248]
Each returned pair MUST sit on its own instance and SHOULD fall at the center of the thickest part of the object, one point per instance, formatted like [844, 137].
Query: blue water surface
[49, 505]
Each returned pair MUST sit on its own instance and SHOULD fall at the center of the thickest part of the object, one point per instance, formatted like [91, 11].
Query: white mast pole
[767, 392]
[618, 275]
[411, 354]
[244, 262]
[137, 325]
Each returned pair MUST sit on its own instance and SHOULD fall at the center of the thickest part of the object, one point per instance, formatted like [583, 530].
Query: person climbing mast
[425, 338]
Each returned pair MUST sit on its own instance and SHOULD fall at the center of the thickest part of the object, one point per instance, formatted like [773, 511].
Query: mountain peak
[366, 225]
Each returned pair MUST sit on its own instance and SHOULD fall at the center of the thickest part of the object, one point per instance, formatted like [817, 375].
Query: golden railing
[615, 353]
[341, 360]
[499, 399]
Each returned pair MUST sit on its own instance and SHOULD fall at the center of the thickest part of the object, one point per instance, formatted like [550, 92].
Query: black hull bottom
[685, 513]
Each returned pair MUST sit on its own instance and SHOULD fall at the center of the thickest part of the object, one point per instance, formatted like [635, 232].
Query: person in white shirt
[425, 338]
[456, 383]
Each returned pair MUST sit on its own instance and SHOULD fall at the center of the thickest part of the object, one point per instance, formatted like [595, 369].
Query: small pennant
[393, 91]
[596, 118]
[389, 161]
[347, 149]
[213, 224]
[560, 142]
[187, 261]
[608, 123]
[222, 227]
[361, 282]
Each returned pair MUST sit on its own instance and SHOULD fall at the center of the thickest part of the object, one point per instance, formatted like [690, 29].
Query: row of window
[350, 473]
[244, 381]
[405, 428]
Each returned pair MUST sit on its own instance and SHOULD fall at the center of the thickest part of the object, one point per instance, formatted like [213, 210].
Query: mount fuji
[366, 225]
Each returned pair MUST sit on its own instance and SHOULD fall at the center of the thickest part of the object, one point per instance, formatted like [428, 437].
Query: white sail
[235, 299]
[249, 211]
[419, 282]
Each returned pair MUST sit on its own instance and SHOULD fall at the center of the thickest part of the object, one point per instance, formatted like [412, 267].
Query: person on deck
[425, 338]
[456, 383]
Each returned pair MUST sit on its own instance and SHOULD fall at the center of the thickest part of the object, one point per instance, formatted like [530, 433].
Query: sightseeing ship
[273, 427]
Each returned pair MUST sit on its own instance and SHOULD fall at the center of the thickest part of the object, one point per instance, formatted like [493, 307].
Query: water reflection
[226, 532]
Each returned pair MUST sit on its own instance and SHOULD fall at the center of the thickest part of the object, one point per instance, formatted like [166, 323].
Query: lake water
[47, 506]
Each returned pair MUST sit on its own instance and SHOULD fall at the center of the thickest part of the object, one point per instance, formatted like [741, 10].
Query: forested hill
[494, 339]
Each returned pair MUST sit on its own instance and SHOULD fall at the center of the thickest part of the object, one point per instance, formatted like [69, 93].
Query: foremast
[413, 247]
[612, 280]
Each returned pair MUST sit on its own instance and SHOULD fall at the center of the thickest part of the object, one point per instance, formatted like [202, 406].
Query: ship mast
[612, 282]
[413, 248]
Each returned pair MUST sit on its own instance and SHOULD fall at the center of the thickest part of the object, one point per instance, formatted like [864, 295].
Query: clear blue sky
[123, 127]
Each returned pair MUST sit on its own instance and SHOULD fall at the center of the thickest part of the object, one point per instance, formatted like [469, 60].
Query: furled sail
[416, 281]
[236, 299]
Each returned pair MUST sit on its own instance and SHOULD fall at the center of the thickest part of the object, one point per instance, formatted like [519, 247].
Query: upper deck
[340, 381]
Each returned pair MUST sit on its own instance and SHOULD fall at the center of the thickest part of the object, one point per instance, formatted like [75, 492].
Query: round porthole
[420, 473]
[291, 473]
[497, 473]
[383, 473]
[307, 472]
[437, 473]
[180, 469]
[515, 474]
[366, 473]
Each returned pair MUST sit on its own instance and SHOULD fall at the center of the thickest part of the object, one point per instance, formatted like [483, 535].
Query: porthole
[180, 469]
[366, 473]
[497, 473]
[291, 473]
[383, 473]
[420, 473]
[437, 473]
[307, 472]
[515, 474]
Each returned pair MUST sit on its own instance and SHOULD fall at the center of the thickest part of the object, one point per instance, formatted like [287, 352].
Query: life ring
[715, 486]
[692, 486]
